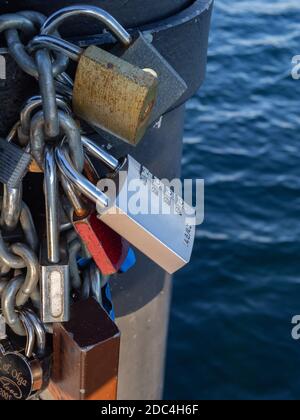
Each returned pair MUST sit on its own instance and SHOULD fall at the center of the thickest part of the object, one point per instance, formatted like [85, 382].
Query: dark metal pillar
[179, 29]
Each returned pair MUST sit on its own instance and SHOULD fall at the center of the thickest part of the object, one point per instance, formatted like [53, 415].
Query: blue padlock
[129, 262]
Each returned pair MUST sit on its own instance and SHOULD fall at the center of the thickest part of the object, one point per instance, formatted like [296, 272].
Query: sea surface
[230, 331]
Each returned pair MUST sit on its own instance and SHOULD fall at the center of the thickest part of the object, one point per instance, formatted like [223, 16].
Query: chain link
[46, 121]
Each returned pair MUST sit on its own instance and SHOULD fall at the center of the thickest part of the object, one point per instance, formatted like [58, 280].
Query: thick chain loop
[17, 22]
[71, 131]
[33, 104]
[18, 50]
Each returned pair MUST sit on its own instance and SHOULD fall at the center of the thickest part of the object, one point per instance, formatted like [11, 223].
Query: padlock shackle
[81, 183]
[55, 44]
[30, 334]
[99, 153]
[51, 201]
[39, 329]
[56, 19]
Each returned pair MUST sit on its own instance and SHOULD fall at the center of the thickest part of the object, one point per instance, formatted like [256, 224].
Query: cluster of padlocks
[55, 267]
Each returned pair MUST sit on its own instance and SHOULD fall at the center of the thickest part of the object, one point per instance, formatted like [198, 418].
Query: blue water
[230, 335]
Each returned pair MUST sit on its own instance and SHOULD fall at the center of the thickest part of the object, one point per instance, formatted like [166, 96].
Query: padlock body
[21, 378]
[86, 355]
[107, 248]
[113, 95]
[54, 287]
[171, 86]
[158, 227]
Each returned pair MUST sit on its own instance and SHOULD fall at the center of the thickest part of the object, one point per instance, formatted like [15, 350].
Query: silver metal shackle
[75, 200]
[88, 189]
[69, 129]
[99, 153]
[56, 19]
[13, 132]
[55, 44]
[51, 197]
[39, 329]
[96, 282]
[30, 334]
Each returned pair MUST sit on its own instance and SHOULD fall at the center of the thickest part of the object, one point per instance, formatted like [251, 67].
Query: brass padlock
[124, 102]
[109, 93]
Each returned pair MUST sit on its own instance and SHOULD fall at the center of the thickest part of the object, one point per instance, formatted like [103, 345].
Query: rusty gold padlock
[109, 93]
[124, 102]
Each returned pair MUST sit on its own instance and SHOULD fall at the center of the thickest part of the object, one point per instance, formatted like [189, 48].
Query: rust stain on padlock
[114, 95]
[86, 355]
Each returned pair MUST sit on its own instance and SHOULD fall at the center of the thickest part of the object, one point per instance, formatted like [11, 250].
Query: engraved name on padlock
[167, 238]
[22, 372]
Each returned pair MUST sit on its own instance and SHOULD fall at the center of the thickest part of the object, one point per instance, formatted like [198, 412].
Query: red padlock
[107, 248]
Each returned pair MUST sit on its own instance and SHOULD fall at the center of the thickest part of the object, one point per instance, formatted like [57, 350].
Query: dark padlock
[143, 54]
[24, 373]
[14, 163]
[86, 355]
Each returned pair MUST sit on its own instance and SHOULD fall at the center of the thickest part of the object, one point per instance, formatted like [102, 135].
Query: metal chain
[18, 50]
[46, 121]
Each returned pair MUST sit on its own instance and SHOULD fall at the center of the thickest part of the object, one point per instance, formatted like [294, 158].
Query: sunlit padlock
[139, 51]
[166, 236]
[109, 93]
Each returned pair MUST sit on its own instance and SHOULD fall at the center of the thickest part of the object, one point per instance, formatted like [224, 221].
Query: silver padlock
[55, 275]
[165, 236]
